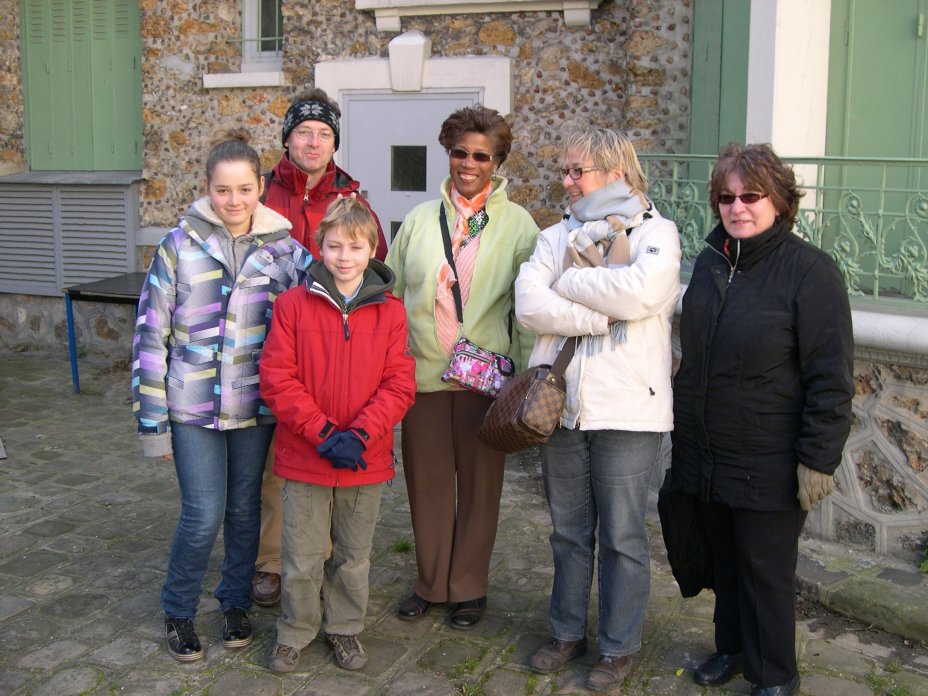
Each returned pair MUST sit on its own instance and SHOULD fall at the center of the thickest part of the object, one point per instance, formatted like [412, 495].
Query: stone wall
[881, 499]
[12, 142]
[630, 70]
[30, 322]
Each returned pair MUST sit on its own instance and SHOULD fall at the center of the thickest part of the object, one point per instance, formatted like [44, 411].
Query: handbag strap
[455, 289]
[564, 356]
[449, 255]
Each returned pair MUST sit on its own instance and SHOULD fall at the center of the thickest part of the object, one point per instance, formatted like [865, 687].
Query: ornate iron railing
[870, 214]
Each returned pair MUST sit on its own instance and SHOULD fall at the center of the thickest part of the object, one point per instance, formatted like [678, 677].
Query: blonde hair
[352, 217]
[609, 150]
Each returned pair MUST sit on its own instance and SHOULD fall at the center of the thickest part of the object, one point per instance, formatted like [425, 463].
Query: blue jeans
[600, 478]
[219, 473]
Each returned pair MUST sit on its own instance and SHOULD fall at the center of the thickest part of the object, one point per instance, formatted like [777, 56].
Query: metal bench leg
[72, 344]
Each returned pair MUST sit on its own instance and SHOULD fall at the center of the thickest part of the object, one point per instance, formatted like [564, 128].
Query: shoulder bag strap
[446, 238]
[564, 356]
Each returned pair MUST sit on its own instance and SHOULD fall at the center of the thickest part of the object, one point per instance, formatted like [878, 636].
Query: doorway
[391, 147]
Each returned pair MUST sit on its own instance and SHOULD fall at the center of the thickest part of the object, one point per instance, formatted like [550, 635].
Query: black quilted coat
[766, 378]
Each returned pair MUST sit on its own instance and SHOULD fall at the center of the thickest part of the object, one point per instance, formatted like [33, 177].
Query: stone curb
[875, 590]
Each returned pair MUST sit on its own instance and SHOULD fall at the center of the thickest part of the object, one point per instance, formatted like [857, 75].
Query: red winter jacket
[286, 194]
[326, 367]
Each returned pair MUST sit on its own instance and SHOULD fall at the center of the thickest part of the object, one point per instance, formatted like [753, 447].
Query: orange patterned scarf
[446, 316]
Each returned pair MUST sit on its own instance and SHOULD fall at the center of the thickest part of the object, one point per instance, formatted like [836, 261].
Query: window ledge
[388, 12]
[244, 79]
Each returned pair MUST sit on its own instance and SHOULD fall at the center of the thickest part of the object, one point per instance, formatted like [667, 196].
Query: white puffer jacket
[628, 386]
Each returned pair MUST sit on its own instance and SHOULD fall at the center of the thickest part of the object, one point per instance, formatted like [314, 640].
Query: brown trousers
[454, 483]
[268, 560]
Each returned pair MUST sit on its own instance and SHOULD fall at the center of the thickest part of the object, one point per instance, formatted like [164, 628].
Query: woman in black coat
[762, 408]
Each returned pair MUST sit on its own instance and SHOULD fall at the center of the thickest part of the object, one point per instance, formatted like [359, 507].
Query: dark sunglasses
[459, 153]
[576, 172]
[746, 198]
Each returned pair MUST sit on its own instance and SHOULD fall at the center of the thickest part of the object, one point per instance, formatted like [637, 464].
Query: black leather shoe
[467, 614]
[718, 669]
[790, 688]
[413, 607]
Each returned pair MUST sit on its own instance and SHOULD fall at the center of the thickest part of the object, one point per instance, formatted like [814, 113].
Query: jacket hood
[378, 279]
[265, 222]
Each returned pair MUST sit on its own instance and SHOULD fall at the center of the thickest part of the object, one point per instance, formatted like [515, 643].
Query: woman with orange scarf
[454, 481]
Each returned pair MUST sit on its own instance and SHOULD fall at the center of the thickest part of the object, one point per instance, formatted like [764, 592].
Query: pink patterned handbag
[478, 369]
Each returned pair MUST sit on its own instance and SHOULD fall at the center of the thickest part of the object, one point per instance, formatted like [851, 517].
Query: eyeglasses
[746, 198]
[576, 172]
[321, 135]
[459, 153]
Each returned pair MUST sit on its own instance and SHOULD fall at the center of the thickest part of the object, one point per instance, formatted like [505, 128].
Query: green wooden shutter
[720, 74]
[83, 85]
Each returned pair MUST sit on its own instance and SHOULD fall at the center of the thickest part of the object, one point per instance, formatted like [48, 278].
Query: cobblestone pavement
[85, 524]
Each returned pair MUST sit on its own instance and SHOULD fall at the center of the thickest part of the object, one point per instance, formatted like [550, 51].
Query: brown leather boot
[265, 589]
[554, 654]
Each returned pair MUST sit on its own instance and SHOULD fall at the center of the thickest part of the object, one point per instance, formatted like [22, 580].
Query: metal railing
[870, 214]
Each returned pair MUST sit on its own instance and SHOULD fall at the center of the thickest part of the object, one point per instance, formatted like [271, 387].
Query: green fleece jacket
[414, 256]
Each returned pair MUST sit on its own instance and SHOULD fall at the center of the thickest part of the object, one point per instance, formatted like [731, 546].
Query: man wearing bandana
[300, 188]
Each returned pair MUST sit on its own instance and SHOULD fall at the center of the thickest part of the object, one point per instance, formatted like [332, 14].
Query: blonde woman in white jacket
[607, 274]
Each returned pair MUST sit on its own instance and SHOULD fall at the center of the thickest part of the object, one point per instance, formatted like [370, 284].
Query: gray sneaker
[283, 658]
[349, 653]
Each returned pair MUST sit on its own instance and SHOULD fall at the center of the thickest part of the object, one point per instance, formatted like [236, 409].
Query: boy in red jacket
[337, 374]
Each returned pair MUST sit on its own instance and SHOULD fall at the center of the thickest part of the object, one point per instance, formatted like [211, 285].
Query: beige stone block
[229, 105]
[642, 75]
[583, 76]
[194, 27]
[155, 27]
[177, 140]
[497, 33]
[154, 189]
[526, 195]
[278, 106]
[550, 58]
[646, 43]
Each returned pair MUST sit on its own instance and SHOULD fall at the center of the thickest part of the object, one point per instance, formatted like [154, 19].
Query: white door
[391, 147]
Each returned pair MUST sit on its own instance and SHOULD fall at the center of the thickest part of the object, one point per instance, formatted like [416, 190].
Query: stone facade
[881, 498]
[12, 143]
[629, 69]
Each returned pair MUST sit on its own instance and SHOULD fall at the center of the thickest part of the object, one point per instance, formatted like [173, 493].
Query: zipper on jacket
[345, 325]
[732, 266]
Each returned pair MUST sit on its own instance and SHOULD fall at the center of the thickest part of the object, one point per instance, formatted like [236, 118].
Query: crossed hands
[344, 449]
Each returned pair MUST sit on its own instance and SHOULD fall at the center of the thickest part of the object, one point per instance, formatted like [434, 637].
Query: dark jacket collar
[746, 252]
[378, 279]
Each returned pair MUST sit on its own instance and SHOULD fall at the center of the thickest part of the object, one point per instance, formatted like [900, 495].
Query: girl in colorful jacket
[203, 314]
[338, 376]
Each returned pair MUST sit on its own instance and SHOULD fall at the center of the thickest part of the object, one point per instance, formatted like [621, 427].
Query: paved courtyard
[85, 524]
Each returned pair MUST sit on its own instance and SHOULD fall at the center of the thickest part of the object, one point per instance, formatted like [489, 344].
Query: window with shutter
[83, 106]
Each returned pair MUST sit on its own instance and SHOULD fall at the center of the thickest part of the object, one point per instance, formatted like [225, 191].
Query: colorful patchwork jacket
[201, 326]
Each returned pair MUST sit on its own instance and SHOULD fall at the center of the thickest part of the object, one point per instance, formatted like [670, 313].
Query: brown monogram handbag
[529, 405]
